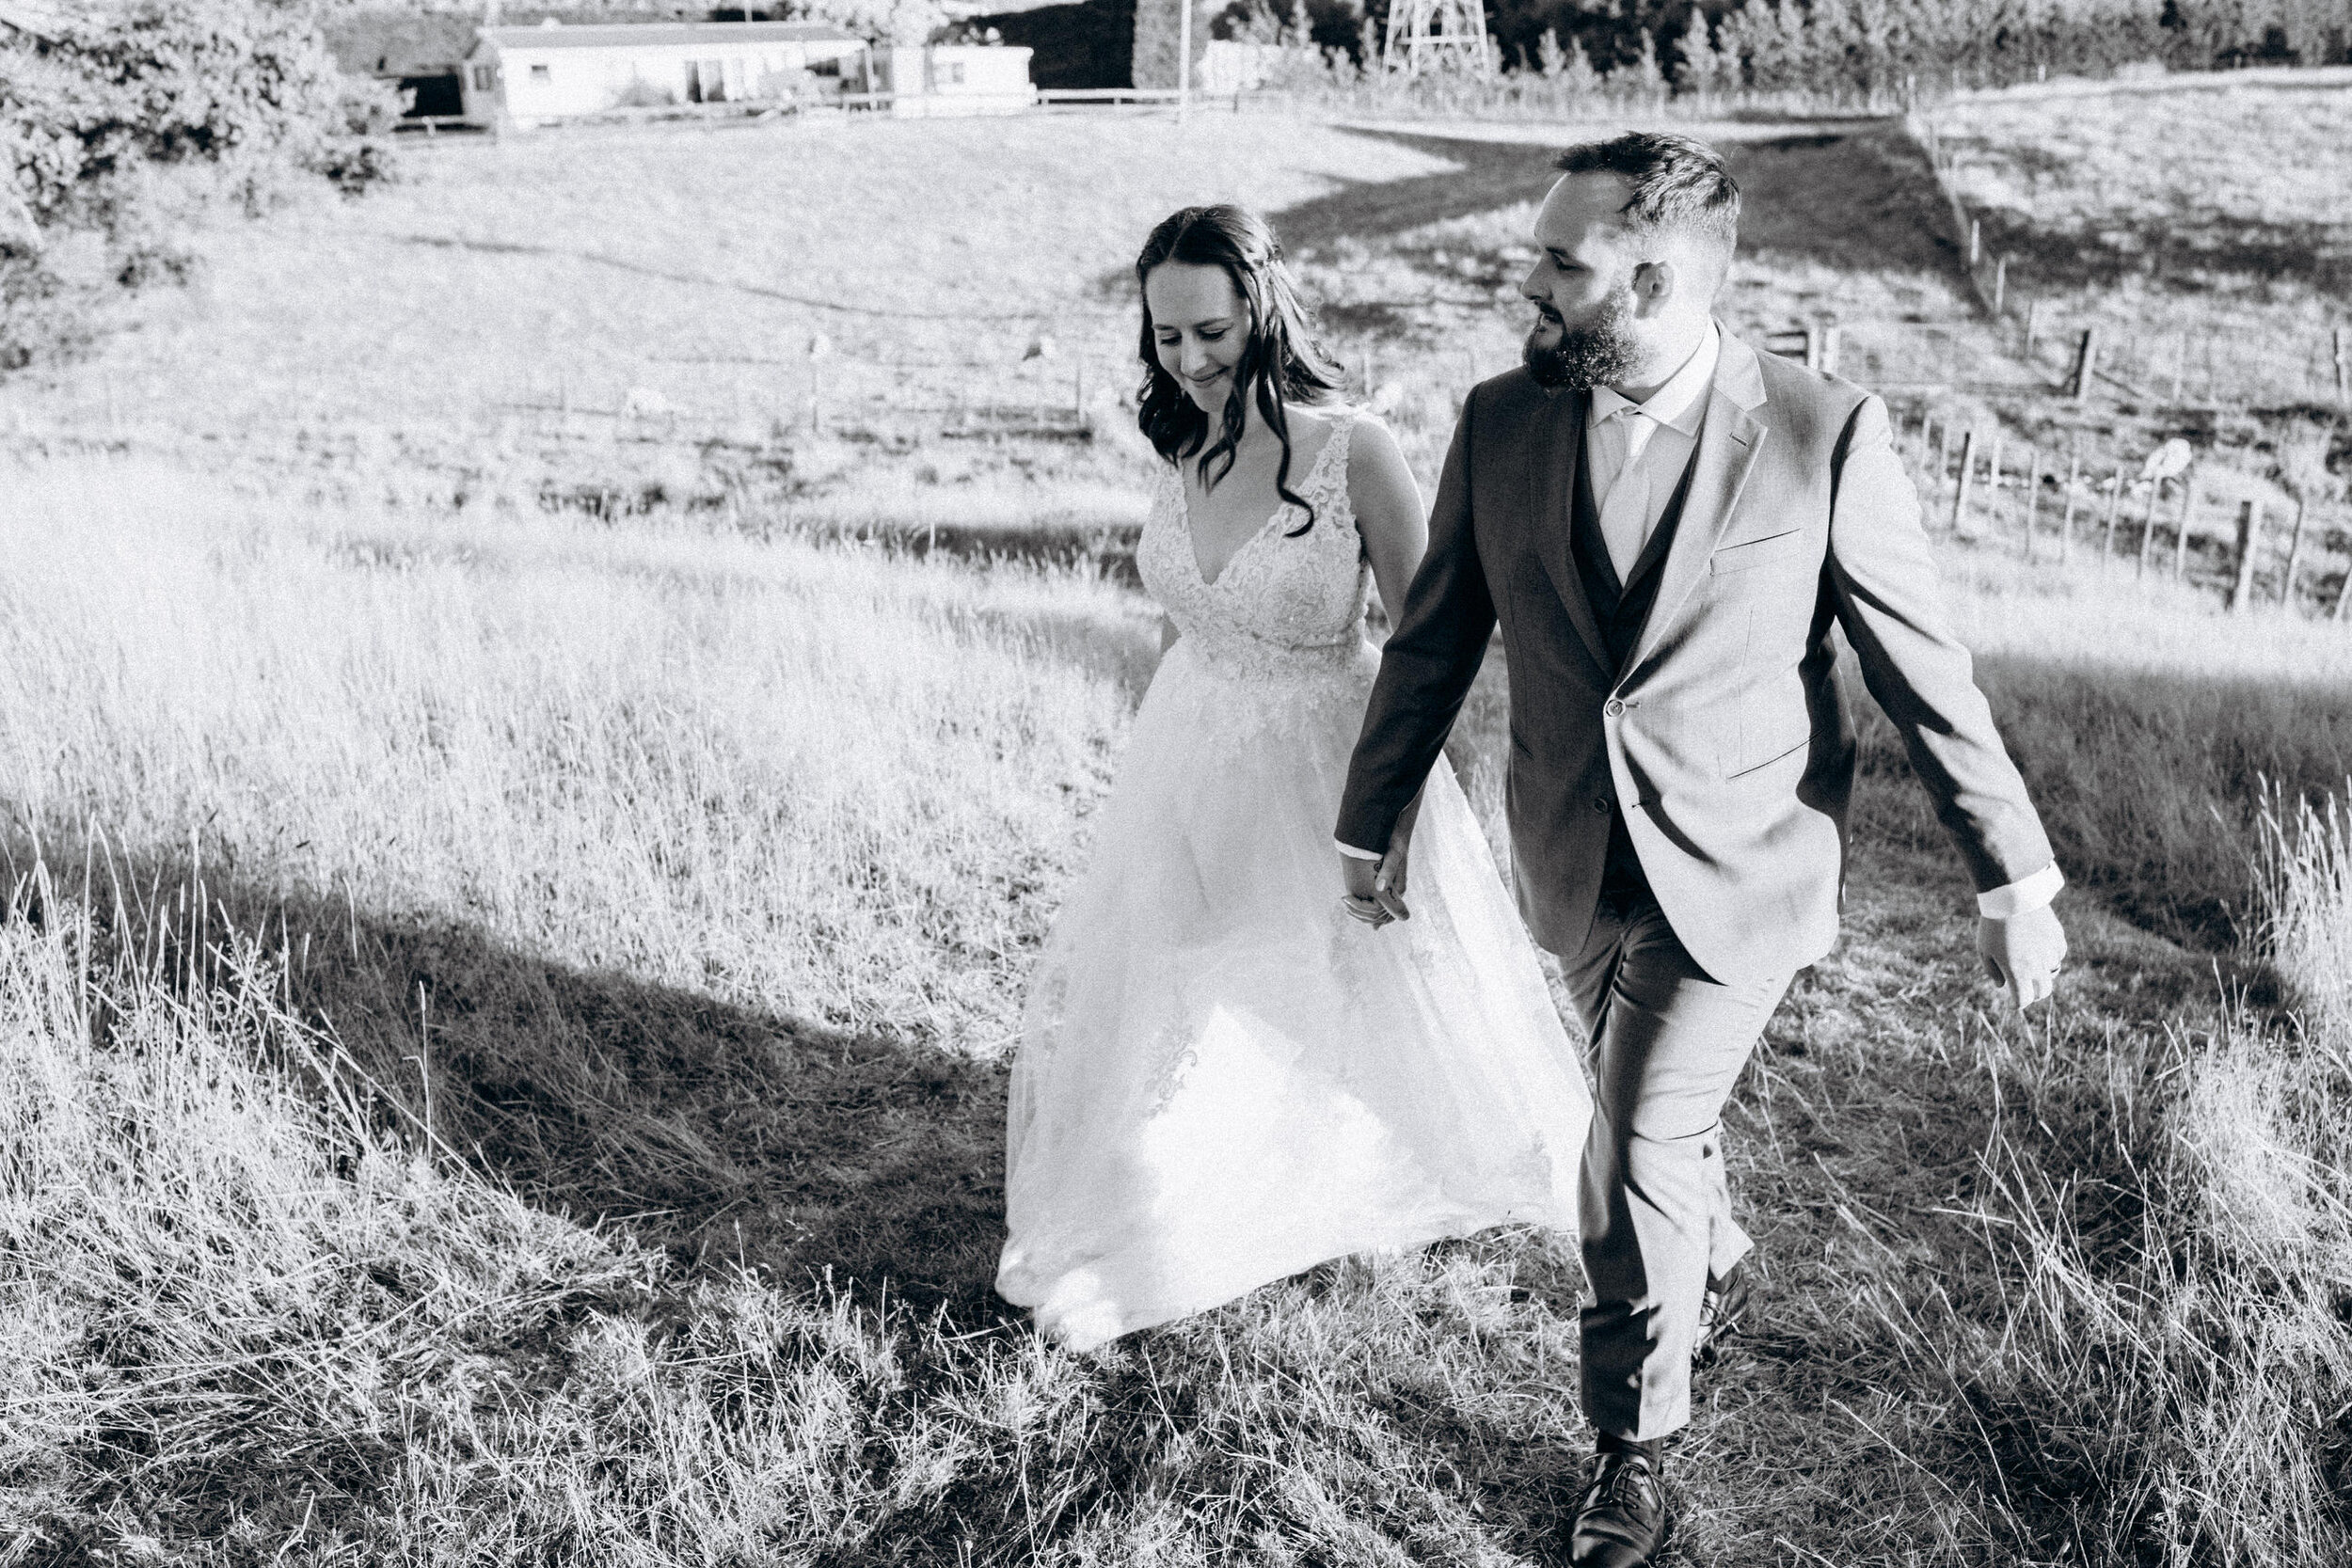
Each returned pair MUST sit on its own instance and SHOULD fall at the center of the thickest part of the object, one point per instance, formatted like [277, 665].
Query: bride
[1224, 1079]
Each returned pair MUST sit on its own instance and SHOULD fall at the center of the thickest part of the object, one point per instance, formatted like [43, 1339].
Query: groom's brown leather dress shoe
[1720, 1314]
[1621, 1522]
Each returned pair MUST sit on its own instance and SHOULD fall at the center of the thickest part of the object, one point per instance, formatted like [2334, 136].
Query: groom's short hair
[1677, 183]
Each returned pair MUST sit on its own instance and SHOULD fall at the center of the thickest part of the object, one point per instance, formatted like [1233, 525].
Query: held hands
[2021, 953]
[1375, 888]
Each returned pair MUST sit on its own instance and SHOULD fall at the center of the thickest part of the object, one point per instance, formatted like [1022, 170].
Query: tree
[164, 82]
[902, 21]
[1642, 79]
[1702, 70]
[1158, 27]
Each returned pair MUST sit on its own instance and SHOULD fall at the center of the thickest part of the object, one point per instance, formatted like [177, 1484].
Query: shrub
[164, 82]
[230, 96]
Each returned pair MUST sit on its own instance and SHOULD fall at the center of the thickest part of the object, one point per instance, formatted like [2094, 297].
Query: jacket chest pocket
[1776, 550]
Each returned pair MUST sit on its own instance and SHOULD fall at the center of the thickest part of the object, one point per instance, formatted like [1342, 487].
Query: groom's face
[1582, 285]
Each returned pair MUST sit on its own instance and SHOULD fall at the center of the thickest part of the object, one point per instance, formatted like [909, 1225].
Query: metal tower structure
[1438, 34]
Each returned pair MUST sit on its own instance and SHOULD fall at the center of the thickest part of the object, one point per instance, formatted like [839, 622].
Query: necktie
[1625, 511]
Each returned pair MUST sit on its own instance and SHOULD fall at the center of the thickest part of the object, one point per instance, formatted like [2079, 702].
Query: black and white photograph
[1176, 783]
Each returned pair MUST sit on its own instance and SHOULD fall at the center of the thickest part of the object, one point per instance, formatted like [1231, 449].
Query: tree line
[1839, 47]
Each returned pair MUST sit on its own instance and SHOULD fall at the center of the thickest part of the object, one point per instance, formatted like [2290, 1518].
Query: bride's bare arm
[1389, 512]
[1395, 532]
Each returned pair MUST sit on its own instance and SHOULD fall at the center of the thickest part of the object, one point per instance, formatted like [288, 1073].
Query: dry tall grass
[624, 932]
[502, 1027]
[760, 772]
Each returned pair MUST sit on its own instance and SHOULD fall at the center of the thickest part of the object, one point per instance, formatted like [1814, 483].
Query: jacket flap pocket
[1783, 753]
[1758, 552]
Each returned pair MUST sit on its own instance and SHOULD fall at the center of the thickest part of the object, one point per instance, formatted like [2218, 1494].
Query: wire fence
[2090, 355]
[2165, 515]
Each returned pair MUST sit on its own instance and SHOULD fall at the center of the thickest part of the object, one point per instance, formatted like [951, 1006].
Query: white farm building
[532, 74]
[544, 74]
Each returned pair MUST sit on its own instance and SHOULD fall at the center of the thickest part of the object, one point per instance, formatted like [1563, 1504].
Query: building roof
[379, 44]
[664, 35]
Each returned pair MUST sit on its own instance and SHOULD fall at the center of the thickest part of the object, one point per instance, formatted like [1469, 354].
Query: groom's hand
[2023, 953]
[1375, 888]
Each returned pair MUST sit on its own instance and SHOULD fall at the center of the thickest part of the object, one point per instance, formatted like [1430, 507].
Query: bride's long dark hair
[1282, 360]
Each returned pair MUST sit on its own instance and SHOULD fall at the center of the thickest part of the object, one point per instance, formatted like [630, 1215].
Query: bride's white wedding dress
[1222, 1079]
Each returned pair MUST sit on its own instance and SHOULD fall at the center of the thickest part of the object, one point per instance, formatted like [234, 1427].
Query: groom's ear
[1654, 285]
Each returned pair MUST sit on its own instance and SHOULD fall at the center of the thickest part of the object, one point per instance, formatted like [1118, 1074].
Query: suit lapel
[1553, 454]
[1728, 442]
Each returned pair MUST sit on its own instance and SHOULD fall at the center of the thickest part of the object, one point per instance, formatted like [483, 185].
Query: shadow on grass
[720, 1134]
[1860, 198]
[1861, 201]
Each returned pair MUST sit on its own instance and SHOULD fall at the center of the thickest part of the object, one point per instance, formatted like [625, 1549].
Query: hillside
[565, 852]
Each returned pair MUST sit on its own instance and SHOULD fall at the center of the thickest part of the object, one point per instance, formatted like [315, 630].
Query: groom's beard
[1593, 354]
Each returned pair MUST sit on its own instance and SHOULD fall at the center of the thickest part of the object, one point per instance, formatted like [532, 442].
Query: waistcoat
[1622, 610]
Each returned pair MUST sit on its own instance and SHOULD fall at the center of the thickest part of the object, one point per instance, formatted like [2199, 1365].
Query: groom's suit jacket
[1720, 739]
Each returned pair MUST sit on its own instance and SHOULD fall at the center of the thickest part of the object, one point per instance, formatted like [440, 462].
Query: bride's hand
[1394, 864]
[1389, 882]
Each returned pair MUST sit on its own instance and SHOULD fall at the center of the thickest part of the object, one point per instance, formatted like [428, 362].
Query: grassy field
[2202, 229]
[517, 922]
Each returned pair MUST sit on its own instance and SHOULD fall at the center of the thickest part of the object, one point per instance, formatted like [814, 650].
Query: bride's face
[1199, 323]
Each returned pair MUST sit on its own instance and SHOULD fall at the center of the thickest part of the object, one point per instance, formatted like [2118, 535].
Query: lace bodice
[1287, 601]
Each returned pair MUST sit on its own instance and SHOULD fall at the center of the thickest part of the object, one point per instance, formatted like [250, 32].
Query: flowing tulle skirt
[1223, 1080]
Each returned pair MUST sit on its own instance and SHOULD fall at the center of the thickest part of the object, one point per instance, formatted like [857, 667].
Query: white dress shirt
[1653, 440]
[1637, 451]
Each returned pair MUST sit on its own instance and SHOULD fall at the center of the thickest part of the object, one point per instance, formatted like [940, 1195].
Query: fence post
[2000, 281]
[2179, 528]
[1960, 493]
[1943, 452]
[2033, 326]
[1992, 485]
[1975, 247]
[2066, 523]
[2247, 523]
[2148, 525]
[1830, 336]
[2295, 554]
[2086, 364]
[2033, 500]
[2115, 504]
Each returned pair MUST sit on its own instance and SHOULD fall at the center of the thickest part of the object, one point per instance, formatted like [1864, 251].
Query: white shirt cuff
[1355, 855]
[2019, 898]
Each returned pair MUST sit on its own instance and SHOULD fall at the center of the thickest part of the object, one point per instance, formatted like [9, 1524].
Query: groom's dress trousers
[1680, 761]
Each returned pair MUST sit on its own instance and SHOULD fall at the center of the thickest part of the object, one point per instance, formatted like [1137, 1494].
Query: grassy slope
[2203, 233]
[1999, 1274]
[2219, 210]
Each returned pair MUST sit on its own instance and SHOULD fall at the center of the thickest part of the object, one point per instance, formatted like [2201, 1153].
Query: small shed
[938, 80]
[421, 53]
[551, 72]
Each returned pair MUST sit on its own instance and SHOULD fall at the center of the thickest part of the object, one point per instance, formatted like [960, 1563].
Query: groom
[1667, 525]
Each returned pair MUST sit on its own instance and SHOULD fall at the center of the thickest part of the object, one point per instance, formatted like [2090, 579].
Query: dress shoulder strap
[1332, 459]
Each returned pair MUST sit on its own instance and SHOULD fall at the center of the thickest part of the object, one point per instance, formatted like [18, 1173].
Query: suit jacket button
[1613, 707]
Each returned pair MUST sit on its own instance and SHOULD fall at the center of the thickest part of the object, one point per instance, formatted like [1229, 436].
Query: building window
[706, 82]
[485, 78]
[541, 74]
[955, 73]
